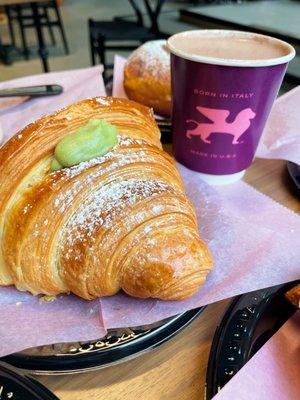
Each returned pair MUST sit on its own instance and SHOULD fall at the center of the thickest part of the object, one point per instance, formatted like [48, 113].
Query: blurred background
[67, 34]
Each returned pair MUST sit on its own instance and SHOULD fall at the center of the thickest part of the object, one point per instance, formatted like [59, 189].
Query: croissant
[119, 221]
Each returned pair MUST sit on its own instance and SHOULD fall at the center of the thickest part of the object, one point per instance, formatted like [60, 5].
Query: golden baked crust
[293, 295]
[147, 76]
[118, 221]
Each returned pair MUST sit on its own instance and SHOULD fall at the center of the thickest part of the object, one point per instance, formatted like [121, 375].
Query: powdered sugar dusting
[103, 101]
[153, 57]
[103, 206]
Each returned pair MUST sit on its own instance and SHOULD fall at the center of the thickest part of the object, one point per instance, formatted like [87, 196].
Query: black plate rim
[212, 387]
[23, 381]
[68, 364]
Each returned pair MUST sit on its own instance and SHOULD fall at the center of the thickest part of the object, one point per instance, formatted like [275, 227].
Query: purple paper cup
[220, 106]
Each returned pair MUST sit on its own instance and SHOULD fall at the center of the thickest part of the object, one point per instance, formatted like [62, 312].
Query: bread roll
[147, 76]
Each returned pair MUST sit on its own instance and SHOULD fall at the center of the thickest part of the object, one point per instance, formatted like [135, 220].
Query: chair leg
[92, 43]
[22, 32]
[61, 27]
[50, 28]
[43, 52]
[92, 51]
[10, 26]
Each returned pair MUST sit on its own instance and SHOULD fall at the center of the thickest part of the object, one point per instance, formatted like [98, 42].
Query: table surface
[277, 16]
[177, 369]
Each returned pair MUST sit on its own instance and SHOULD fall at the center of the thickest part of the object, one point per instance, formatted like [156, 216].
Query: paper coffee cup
[224, 84]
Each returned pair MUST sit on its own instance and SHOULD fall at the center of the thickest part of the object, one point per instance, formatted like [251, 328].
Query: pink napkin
[118, 88]
[273, 372]
[15, 113]
[37, 323]
[254, 241]
[281, 137]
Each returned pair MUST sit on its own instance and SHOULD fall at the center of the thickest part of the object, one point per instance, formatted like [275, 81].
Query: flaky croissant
[120, 221]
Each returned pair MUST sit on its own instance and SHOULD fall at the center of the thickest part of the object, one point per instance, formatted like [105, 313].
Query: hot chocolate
[228, 45]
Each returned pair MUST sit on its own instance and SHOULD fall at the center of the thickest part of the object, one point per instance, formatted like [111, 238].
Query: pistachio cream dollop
[94, 139]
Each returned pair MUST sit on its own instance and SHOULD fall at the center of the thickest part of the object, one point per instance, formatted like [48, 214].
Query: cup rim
[231, 62]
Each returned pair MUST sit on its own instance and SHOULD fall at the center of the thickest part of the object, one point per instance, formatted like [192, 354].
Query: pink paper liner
[254, 240]
[252, 250]
[273, 372]
[281, 137]
[249, 253]
[118, 88]
[78, 84]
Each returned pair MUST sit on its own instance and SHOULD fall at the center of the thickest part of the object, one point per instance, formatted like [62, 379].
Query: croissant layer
[119, 221]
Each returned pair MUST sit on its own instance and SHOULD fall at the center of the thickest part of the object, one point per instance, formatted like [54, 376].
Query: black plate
[248, 323]
[119, 345]
[294, 171]
[165, 127]
[16, 386]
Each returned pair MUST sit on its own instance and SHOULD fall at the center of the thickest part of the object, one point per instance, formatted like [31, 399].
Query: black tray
[119, 345]
[17, 386]
[248, 323]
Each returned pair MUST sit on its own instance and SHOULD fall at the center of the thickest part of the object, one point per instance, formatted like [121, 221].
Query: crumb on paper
[46, 298]
[18, 303]
[293, 295]
[1, 134]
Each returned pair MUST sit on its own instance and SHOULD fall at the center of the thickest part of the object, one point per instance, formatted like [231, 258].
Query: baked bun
[147, 76]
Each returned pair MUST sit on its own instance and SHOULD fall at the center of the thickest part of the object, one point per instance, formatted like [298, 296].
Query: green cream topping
[94, 139]
[55, 165]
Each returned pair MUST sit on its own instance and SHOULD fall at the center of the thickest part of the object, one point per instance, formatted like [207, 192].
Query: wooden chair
[107, 35]
[22, 14]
